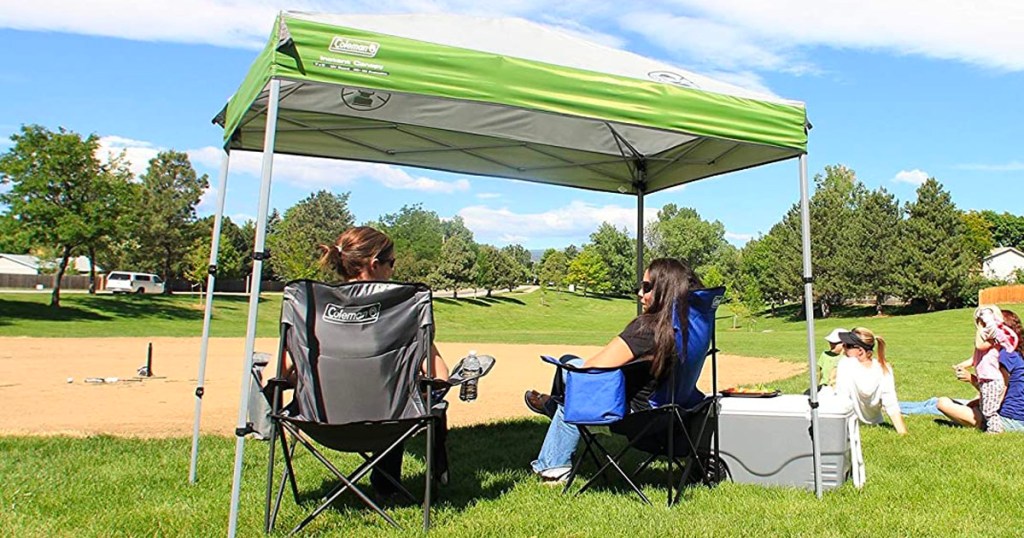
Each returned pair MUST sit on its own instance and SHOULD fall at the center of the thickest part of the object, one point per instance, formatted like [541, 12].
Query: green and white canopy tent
[491, 97]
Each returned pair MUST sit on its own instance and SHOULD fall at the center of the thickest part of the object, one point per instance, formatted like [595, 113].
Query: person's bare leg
[961, 414]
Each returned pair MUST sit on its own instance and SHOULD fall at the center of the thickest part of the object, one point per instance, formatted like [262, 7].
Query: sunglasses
[646, 286]
[389, 261]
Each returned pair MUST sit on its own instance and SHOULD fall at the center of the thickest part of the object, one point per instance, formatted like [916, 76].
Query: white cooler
[768, 441]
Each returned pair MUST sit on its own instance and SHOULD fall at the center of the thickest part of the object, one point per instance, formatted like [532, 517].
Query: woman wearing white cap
[867, 380]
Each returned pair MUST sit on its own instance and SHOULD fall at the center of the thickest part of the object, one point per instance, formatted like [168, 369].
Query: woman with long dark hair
[649, 337]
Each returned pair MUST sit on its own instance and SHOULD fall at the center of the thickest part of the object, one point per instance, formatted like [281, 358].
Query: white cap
[833, 337]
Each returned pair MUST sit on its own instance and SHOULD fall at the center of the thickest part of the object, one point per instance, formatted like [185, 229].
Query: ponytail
[880, 345]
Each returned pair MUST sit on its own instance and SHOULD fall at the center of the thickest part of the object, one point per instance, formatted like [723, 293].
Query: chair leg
[613, 461]
[289, 453]
[429, 479]
[392, 480]
[286, 476]
[347, 483]
[270, 478]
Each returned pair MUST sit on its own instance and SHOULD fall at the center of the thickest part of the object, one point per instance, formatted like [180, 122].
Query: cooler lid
[787, 405]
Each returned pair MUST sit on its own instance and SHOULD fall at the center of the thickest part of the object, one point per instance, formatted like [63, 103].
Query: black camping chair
[357, 349]
[680, 426]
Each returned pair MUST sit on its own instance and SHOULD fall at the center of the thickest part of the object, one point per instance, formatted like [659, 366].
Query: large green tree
[935, 259]
[169, 194]
[59, 192]
[833, 250]
[231, 251]
[315, 220]
[875, 239]
[588, 272]
[485, 271]
[455, 268]
[1007, 229]
[618, 251]
[681, 233]
[14, 238]
[418, 235]
[553, 268]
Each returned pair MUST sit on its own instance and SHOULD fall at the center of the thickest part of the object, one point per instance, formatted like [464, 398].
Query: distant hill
[536, 253]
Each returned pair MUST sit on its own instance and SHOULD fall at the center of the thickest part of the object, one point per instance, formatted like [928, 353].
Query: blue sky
[898, 91]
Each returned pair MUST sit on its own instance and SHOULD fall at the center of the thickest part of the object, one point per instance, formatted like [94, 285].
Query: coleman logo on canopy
[347, 45]
[669, 77]
[352, 315]
[364, 99]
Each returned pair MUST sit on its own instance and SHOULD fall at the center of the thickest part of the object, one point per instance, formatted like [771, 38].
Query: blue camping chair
[679, 426]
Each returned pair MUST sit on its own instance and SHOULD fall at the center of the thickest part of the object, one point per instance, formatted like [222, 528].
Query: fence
[81, 282]
[1001, 294]
[69, 282]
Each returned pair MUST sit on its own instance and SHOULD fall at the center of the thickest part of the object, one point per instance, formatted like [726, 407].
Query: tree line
[62, 200]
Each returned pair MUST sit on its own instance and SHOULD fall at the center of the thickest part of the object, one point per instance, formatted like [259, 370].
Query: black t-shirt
[639, 383]
[639, 339]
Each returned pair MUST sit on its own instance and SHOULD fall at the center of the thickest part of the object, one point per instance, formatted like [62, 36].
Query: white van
[125, 282]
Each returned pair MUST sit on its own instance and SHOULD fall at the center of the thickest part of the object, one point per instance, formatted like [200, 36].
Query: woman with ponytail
[649, 337]
[362, 254]
[865, 378]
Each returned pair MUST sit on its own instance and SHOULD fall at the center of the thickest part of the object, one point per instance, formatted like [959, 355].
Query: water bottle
[470, 371]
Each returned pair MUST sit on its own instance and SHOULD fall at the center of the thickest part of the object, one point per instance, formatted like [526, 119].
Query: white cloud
[228, 23]
[137, 153]
[308, 172]
[488, 195]
[314, 172]
[979, 33]
[914, 177]
[578, 219]
[738, 237]
[1012, 166]
[721, 44]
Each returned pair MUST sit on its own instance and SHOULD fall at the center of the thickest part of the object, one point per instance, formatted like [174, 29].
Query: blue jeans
[927, 407]
[560, 441]
[1012, 425]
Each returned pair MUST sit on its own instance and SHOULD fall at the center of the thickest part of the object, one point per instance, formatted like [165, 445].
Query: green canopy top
[505, 98]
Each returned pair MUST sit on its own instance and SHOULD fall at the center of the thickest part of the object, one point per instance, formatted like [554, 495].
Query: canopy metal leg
[805, 223]
[254, 296]
[639, 241]
[208, 313]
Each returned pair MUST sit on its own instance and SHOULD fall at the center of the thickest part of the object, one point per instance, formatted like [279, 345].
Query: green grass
[939, 481]
[536, 318]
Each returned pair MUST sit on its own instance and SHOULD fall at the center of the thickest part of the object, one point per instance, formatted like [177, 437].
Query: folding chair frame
[282, 424]
[695, 457]
[711, 473]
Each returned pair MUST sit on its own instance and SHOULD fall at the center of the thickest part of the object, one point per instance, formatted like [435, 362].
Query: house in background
[1001, 263]
[27, 264]
[18, 264]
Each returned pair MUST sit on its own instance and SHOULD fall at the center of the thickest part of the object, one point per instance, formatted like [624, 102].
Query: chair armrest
[592, 370]
[279, 382]
[432, 383]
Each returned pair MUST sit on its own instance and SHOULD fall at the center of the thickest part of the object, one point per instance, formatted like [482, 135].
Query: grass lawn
[939, 481]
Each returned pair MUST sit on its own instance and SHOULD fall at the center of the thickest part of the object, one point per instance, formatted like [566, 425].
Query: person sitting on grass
[867, 380]
[991, 336]
[649, 337]
[1011, 409]
[829, 358]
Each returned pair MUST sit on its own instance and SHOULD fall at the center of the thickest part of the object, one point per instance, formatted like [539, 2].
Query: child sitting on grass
[992, 335]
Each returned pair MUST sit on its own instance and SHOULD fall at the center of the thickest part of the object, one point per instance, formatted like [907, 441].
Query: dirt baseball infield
[45, 392]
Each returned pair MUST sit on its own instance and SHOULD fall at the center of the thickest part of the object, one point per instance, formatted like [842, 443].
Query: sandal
[542, 404]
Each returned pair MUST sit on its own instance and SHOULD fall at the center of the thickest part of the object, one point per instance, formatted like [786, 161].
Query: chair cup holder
[456, 376]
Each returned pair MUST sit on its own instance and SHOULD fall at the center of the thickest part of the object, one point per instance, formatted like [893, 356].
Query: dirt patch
[38, 399]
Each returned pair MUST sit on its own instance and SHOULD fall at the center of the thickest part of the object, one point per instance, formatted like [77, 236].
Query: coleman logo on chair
[352, 315]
